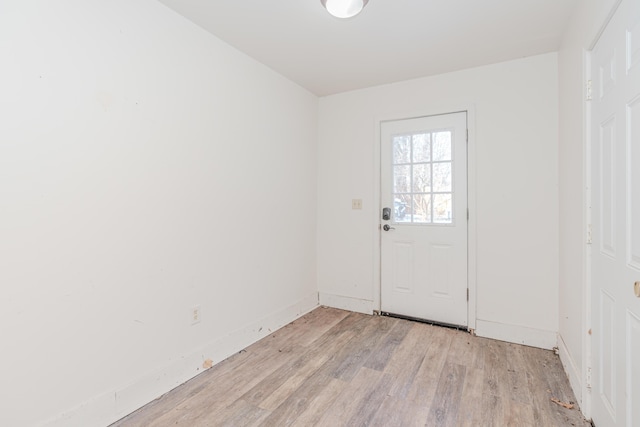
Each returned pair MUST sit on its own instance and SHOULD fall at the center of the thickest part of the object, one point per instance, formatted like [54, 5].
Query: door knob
[386, 227]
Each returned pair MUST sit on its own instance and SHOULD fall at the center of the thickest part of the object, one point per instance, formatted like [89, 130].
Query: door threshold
[427, 321]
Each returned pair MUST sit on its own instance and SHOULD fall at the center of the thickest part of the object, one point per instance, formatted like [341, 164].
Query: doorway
[615, 194]
[424, 218]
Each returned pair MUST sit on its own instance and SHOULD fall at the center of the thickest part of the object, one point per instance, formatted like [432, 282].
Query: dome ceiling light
[344, 8]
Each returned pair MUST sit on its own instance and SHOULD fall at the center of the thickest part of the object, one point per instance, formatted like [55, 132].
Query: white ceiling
[390, 41]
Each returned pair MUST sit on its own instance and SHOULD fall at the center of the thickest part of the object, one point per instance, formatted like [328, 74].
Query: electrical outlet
[356, 204]
[195, 314]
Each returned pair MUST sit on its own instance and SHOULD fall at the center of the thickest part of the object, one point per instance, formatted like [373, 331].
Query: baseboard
[517, 334]
[346, 303]
[571, 369]
[109, 407]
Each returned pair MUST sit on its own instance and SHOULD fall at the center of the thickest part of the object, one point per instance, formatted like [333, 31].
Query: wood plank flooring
[336, 368]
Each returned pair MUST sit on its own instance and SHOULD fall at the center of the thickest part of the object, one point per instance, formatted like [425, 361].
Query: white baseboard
[109, 407]
[572, 370]
[517, 334]
[346, 303]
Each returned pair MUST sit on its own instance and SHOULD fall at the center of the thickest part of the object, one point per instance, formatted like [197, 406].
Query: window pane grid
[423, 171]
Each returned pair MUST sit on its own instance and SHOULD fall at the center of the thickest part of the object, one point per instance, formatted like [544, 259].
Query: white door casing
[424, 185]
[615, 187]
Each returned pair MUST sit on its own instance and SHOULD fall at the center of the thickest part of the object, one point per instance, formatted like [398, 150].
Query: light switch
[356, 204]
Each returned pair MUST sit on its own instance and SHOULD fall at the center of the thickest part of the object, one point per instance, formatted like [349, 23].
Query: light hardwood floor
[336, 368]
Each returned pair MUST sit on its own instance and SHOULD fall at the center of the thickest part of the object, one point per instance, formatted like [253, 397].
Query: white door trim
[471, 202]
[586, 297]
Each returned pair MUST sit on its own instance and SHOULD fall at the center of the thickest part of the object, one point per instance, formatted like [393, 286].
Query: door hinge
[588, 377]
[467, 214]
[467, 294]
[467, 135]
[589, 234]
[589, 90]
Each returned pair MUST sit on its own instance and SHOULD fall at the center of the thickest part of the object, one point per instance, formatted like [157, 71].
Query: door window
[422, 178]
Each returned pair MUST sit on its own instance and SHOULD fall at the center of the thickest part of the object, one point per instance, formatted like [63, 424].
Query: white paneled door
[424, 218]
[615, 136]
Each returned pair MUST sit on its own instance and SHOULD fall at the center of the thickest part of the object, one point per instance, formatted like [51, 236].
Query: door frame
[587, 320]
[471, 202]
[586, 273]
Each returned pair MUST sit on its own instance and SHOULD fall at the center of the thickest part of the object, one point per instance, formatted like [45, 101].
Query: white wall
[145, 167]
[516, 191]
[585, 24]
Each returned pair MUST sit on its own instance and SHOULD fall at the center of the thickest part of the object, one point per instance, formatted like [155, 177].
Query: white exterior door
[615, 135]
[424, 218]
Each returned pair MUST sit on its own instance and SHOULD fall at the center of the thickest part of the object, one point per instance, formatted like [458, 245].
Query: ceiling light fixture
[344, 8]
